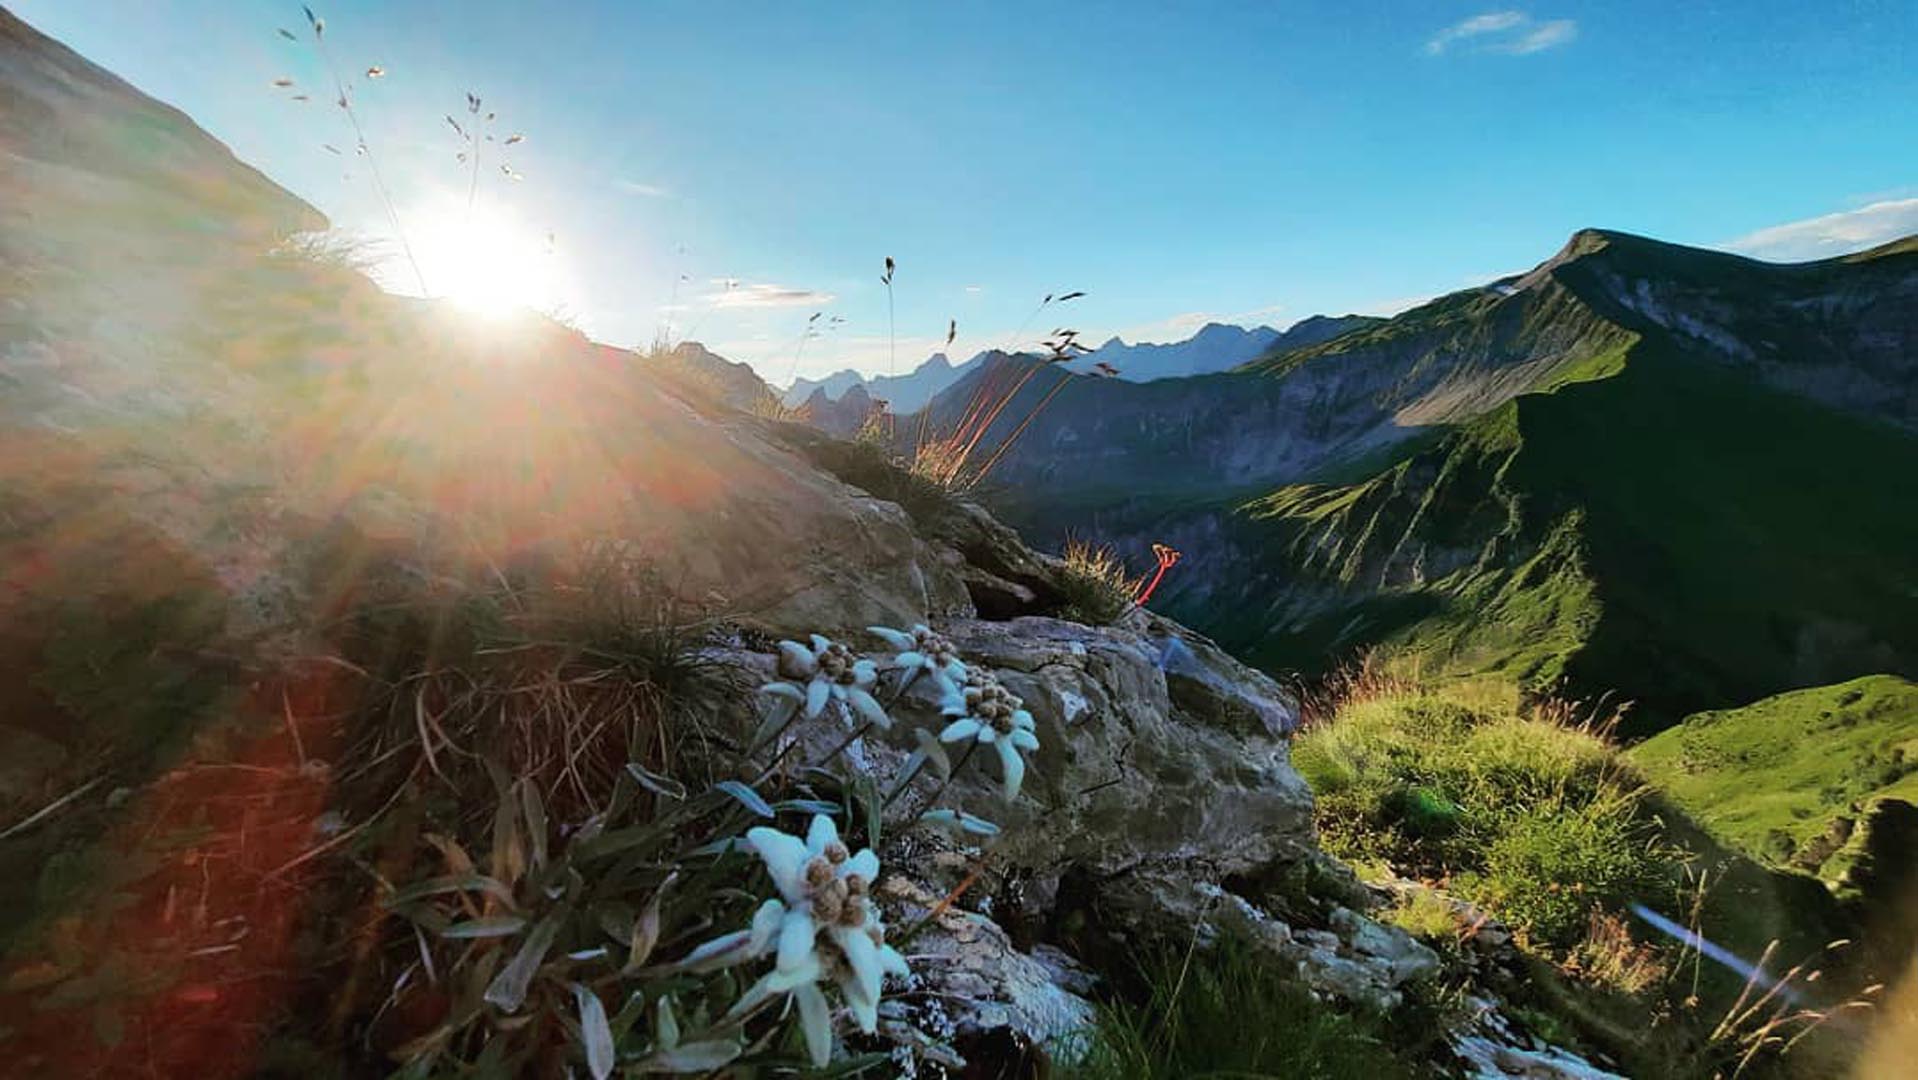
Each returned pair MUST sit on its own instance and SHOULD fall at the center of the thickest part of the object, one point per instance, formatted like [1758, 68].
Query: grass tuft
[1097, 587]
[1224, 1013]
[1536, 820]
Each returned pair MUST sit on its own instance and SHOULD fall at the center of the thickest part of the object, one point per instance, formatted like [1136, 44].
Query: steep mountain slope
[1295, 414]
[1672, 532]
[1680, 476]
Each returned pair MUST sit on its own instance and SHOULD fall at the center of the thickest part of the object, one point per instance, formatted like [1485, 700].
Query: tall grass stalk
[345, 102]
[947, 458]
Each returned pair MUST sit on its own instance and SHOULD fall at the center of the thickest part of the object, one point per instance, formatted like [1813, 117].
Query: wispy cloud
[1544, 36]
[1831, 234]
[1514, 33]
[1492, 22]
[761, 294]
[635, 187]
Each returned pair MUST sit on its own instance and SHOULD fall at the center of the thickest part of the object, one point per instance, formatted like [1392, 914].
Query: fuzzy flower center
[936, 648]
[836, 664]
[993, 704]
[835, 900]
[840, 902]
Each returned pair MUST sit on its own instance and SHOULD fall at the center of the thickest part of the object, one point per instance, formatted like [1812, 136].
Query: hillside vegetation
[1773, 778]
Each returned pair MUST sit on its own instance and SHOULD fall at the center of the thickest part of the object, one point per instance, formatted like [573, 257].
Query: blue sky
[1249, 163]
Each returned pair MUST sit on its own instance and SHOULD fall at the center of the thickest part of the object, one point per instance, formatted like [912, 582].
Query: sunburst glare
[487, 260]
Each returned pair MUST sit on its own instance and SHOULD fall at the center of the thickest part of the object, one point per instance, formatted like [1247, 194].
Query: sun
[486, 261]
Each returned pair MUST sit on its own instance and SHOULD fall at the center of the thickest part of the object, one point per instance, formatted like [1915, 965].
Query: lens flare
[486, 260]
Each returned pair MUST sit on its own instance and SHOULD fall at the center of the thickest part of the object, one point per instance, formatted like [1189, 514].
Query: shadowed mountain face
[1680, 476]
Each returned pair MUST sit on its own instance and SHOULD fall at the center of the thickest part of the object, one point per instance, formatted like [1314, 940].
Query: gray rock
[968, 978]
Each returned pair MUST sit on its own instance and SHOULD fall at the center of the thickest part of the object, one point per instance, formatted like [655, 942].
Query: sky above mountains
[727, 171]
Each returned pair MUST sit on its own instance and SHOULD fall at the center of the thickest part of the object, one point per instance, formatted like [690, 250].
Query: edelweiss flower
[828, 672]
[989, 713]
[921, 650]
[823, 927]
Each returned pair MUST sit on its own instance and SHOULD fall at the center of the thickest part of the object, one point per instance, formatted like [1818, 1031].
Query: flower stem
[957, 767]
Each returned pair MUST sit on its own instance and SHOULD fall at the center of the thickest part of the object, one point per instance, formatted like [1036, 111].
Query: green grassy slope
[1670, 530]
[1771, 777]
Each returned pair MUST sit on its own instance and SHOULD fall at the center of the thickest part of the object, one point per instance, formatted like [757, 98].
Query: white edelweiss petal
[783, 689]
[722, 951]
[796, 940]
[865, 864]
[987, 734]
[868, 707]
[956, 670]
[920, 628]
[815, 1021]
[817, 692]
[821, 833]
[892, 963]
[953, 704]
[785, 859]
[1015, 767]
[909, 658]
[749, 1000]
[944, 684]
[1023, 739]
[864, 672]
[862, 956]
[895, 638]
[765, 928]
[798, 658]
[839, 691]
[774, 983]
[1021, 718]
[941, 819]
[960, 730]
[808, 971]
[865, 1010]
[820, 643]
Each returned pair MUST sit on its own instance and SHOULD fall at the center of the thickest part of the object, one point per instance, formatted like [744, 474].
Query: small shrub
[1097, 587]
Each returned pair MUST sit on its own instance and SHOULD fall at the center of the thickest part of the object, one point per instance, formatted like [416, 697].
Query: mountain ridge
[1492, 494]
